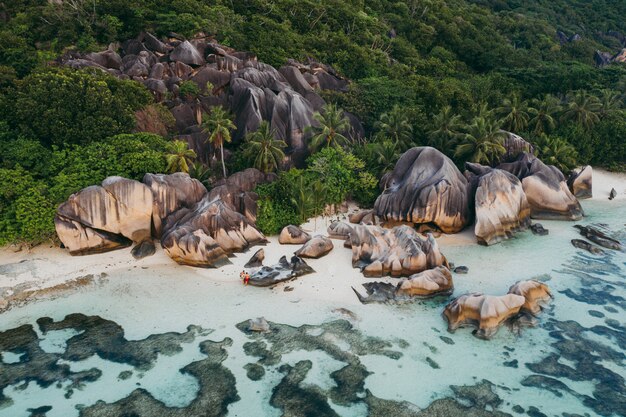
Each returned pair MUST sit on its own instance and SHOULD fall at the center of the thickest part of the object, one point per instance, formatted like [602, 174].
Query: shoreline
[49, 271]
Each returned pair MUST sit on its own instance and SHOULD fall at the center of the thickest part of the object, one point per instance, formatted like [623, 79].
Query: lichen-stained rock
[363, 217]
[485, 312]
[429, 283]
[425, 187]
[170, 193]
[397, 252]
[501, 205]
[89, 220]
[339, 230]
[284, 270]
[315, 248]
[537, 295]
[207, 232]
[545, 189]
[293, 235]
[580, 182]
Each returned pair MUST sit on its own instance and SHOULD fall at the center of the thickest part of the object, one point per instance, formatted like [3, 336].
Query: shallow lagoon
[320, 360]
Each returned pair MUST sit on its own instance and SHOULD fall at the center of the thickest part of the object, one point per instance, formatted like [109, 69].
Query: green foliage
[64, 106]
[218, 126]
[556, 151]
[189, 90]
[331, 126]
[263, 149]
[180, 157]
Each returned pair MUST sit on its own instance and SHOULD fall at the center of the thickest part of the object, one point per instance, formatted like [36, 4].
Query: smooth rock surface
[315, 248]
[293, 235]
[580, 182]
[537, 295]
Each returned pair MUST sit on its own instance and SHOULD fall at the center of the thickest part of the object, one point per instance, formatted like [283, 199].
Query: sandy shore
[48, 271]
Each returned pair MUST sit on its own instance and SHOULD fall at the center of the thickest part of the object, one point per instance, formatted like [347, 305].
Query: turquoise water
[162, 345]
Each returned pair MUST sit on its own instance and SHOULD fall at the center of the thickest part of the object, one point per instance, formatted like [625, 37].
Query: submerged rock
[258, 325]
[397, 252]
[207, 232]
[282, 271]
[538, 229]
[580, 182]
[594, 234]
[293, 235]
[425, 187]
[583, 244]
[485, 312]
[545, 188]
[461, 269]
[315, 248]
[102, 218]
[256, 260]
[501, 205]
[537, 295]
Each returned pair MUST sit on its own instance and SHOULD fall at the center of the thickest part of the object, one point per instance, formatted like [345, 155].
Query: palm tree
[200, 172]
[558, 152]
[395, 125]
[513, 114]
[482, 142]
[331, 121]
[610, 101]
[446, 130]
[180, 157]
[583, 109]
[544, 114]
[303, 200]
[266, 150]
[218, 125]
[386, 155]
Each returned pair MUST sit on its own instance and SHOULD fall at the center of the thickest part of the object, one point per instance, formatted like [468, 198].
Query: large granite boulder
[171, 193]
[293, 235]
[363, 217]
[537, 295]
[500, 203]
[580, 182]
[429, 283]
[339, 230]
[545, 189]
[205, 234]
[237, 191]
[397, 252]
[284, 270]
[315, 248]
[514, 146]
[425, 187]
[484, 312]
[186, 53]
[106, 217]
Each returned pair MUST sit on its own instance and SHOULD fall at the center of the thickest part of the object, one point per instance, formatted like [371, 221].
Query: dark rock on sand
[282, 271]
[256, 260]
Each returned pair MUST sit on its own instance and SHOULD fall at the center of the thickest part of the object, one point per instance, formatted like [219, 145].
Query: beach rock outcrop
[293, 235]
[429, 283]
[425, 187]
[367, 217]
[545, 188]
[206, 233]
[537, 295]
[284, 270]
[612, 194]
[501, 205]
[584, 245]
[597, 236]
[339, 230]
[170, 193]
[484, 312]
[106, 217]
[315, 248]
[377, 292]
[580, 182]
[256, 260]
[400, 251]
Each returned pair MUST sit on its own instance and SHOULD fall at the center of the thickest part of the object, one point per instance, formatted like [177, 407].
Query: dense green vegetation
[448, 74]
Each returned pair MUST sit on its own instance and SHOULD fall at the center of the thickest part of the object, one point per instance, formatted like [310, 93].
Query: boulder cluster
[253, 91]
[195, 227]
[427, 190]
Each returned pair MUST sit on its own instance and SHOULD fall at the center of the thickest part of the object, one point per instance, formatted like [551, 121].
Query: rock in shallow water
[584, 245]
[425, 187]
[538, 229]
[596, 235]
[537, 295]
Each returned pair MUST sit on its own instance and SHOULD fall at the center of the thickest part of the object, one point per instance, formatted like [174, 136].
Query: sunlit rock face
[206, 233]
[293, 235]
[545, 189]
[101, 218]
[400, 251]
[367, 217]
[339, 230]
[537, 295]
[484, 312]
[425, 187]
[315, 248]
[170, 193]
[580, 182]
[500, 203]
[436, 281]
[515, 145]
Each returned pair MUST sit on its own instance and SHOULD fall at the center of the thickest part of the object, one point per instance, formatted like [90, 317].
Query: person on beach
[246, 278]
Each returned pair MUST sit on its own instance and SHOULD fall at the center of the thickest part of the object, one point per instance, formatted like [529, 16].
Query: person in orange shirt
[246, 278]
